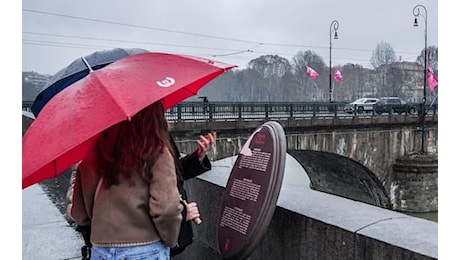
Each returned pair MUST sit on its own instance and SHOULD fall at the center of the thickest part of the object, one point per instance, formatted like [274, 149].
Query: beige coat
[129, 214]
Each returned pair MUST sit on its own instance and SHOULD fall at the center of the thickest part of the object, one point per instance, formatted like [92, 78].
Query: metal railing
[230, 111]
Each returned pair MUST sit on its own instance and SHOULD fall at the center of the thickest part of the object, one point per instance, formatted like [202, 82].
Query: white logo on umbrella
[167, 82]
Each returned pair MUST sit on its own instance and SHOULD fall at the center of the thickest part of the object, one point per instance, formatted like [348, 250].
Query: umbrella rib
[86, 63]
[193, 92]
[111, 95]
[55, 168]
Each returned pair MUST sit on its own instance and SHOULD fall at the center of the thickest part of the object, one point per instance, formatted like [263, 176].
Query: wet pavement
[46, 235]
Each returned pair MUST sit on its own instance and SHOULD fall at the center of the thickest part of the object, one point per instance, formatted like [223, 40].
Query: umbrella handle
[197, 220]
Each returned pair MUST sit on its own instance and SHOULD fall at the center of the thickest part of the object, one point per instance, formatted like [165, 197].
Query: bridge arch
[342, 176]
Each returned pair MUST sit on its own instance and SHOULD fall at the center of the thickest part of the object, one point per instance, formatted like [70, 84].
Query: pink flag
[337, 76]
[431, 78]
[312, 73]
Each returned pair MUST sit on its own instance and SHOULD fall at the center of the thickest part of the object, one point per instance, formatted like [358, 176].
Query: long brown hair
[132, 147]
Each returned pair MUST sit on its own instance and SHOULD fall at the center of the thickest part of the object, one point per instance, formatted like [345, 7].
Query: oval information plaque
[252, 190]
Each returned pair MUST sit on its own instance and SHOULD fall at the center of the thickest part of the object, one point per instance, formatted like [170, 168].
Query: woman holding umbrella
[126, 189]
[188, 166]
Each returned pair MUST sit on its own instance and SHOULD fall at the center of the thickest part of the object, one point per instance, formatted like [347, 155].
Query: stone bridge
[336, 151]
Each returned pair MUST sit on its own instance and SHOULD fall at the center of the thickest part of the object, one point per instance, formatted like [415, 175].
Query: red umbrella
[71, 121]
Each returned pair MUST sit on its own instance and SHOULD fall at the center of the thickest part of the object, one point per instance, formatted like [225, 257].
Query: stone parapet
[308, 224]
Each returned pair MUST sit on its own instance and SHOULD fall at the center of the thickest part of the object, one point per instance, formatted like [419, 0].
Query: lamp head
[415, 22]
[335, 35]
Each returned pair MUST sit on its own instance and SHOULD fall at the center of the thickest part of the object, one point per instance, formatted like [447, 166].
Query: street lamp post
[416, 12]
[335, 25]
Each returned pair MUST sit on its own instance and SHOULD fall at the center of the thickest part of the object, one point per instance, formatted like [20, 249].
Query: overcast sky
[54, 33]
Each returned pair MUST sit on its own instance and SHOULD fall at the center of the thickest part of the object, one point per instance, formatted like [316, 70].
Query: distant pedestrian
[205, 104]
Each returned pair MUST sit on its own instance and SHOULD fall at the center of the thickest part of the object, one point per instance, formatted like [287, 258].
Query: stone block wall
[415, 186]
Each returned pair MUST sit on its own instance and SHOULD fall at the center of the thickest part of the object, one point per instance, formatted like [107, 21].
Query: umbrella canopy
[77, 70]
[72, 120]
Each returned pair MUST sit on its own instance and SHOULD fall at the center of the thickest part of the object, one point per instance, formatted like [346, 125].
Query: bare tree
[352, 85]
[383, 55]
[431, 58]
[395, 79]
[307, 89]
[274, 70]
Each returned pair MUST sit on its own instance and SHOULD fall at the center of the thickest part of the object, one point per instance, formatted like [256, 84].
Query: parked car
[394, 105]
[361, 105]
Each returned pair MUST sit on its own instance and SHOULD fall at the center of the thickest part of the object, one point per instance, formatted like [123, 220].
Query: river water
[433, 216]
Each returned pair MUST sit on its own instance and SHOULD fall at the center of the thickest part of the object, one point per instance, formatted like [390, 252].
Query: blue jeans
[155, 251]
